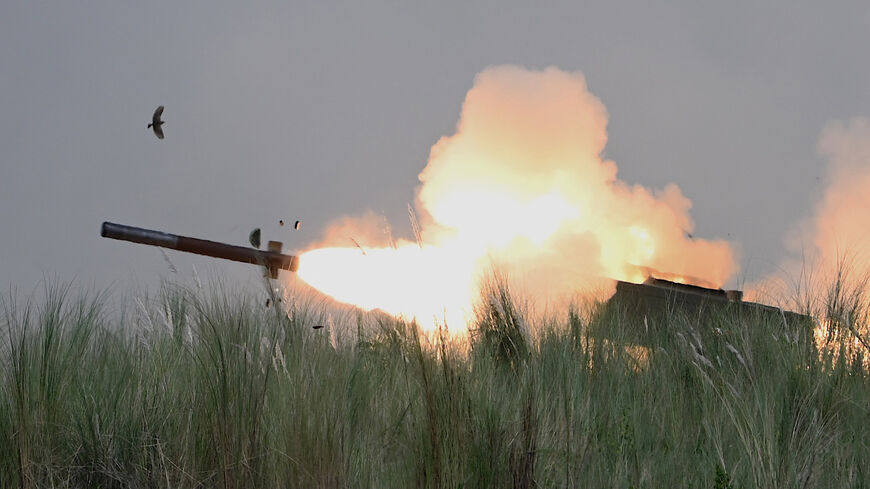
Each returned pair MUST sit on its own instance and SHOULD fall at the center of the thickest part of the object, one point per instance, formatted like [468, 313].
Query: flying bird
[156, 123]
[254, 238]
[296, 226]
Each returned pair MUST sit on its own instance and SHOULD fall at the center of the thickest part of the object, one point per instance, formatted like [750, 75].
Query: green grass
[194, 388]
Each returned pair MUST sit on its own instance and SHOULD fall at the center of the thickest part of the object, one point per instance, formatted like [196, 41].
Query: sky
[320, 110]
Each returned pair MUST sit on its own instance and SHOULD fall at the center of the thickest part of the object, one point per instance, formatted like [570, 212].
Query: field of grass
[209, 388]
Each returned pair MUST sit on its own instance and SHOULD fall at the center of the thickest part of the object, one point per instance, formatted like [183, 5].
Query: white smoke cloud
[525, 163]
[522, 183]
[836, 233]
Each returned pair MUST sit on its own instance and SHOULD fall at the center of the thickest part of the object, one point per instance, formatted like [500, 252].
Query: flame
[408, 281]
[521, 182]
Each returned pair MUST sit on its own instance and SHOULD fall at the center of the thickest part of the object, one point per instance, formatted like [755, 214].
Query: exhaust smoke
[834, 238]
[521, 183]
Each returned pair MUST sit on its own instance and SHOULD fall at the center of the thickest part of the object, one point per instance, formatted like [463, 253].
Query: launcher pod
[272, 258]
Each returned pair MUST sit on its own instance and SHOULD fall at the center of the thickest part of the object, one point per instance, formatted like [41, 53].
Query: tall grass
[194, 388]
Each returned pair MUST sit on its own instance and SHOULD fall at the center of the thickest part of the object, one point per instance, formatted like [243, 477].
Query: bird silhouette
[156, 123]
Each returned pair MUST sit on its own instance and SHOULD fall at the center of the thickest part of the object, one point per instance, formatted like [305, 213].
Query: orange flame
[521, 182]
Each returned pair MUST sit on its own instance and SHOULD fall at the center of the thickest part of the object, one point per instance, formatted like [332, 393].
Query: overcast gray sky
[317, 110]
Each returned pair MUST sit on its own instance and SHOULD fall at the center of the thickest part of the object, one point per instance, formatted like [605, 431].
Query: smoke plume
[522, 183]
[836, 233]
[524, 174]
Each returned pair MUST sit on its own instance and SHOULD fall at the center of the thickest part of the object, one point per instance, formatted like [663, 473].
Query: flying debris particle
[358, 246]
[254, 238]
[156, 123]
[317, 326]
[415, 225]
[297, 225]
[281, 222]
